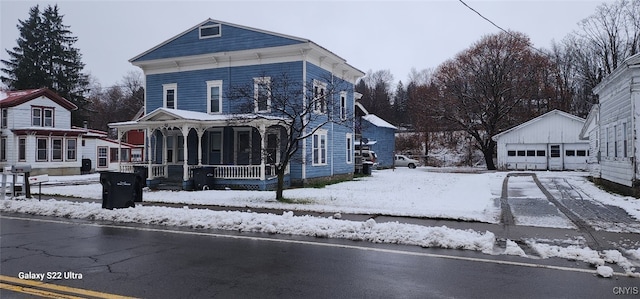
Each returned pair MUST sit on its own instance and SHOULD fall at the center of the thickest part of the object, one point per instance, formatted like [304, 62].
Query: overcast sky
[370, 35]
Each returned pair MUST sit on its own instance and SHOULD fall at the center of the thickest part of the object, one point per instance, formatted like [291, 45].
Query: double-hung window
[72, 150]
[319, 153]
[262, 94]
[170, 95]
[214, 96]
[42, 117]
[22, 149]
[103, 155]
[42, 149]
[343, 105]
[5, 114]
[349, 148]
[319, 97]
[3, 149]
[56, 149]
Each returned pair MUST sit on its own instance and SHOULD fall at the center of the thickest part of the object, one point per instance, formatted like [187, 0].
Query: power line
[502, 29]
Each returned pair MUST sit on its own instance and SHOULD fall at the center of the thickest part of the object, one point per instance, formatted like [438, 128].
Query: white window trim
[61, 149]
[67, 150]
[106, 156]
[317, 105]
[349, 148]
[322, 134]
[167, 87]
[256, 85]
[46, 149]
[210, 84]
[209, 26]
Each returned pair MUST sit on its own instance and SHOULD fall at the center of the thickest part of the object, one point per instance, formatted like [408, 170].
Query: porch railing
[241, 172]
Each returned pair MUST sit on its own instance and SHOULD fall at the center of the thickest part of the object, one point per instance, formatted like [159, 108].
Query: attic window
[210, 31]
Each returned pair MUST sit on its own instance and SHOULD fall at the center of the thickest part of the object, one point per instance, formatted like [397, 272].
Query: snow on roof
[16, 97]
[378, 122]
[537, 119]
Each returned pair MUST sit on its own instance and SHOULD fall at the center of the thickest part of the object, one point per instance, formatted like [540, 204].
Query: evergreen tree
[400, 99]
[46, 57]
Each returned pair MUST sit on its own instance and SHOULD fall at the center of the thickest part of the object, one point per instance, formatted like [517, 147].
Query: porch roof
[177, 117]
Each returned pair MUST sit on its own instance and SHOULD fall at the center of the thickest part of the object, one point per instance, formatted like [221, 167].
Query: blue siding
[336, 133]
[232, 39]
[192, 85]
[385, 146]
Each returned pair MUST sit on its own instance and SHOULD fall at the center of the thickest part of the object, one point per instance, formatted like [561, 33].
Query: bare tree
[301, 109]
[495, 84]
[613, 33]
[116, 103]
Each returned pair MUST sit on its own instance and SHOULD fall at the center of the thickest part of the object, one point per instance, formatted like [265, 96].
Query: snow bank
[287, 223]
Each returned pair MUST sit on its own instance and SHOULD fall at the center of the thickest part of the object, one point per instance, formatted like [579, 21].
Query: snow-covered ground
[420, 192]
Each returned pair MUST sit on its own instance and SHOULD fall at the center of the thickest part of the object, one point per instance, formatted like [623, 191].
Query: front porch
[243, 153]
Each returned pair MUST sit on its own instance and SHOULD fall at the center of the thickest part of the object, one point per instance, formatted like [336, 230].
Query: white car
[404, 161]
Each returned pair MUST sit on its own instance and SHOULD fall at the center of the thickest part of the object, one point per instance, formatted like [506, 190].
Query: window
[569, 153]
[48, 117]
[36, 117]
[531, 153]
[210, 31]
[214, 96]
[319, 148]
[22, 149]
[521, 153]
[5, 114]
[615, 141]
[170, 95]
[555, 151]
[581, 153]
[343, 105]
[349, 148]
[624, 140]
[71, 149]
[319, 97]
[262, 94]
[3, 149]
[541, 153]
[103, 154]
[56, 149]
[41, 149]
[511, 153]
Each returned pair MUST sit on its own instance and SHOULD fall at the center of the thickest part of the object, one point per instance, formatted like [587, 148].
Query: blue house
[214, 99]
[377, 135]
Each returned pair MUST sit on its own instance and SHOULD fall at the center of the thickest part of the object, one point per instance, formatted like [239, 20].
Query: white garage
[548, 142]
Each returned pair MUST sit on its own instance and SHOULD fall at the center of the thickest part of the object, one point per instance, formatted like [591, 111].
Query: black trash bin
[120, 189]
[142, 172]
[366, 167]
[203, 178]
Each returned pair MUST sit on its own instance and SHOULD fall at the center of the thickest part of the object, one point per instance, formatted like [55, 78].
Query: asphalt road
[160, 262]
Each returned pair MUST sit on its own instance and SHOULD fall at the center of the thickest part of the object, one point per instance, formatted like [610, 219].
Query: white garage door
[526, 156]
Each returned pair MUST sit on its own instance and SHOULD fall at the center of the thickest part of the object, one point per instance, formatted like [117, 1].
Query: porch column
[262, 129]
[149, 153]
[185, 168]
[120, 134]
[165, 159]
[200, 132]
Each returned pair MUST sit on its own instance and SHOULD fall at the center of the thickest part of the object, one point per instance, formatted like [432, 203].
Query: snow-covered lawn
[420, 192]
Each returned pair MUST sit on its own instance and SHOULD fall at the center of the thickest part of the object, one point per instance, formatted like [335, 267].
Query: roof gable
[548, 115]
[232, 38]
[378, 122]
[17, 97]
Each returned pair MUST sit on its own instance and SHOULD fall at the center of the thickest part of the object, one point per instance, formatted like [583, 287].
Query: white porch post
[185, 168]
[120, 134]
[200, 134]
[165, 159]
[149, 153]
[262, 129]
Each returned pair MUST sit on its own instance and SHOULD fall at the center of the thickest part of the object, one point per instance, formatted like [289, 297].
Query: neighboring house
[380, 136]
[103, 153]
[619, 105]
[36, 131]
[548, 142]
[191, 122]
[590, 131]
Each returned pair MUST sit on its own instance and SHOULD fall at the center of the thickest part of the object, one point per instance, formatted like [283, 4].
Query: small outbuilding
[548, 142]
